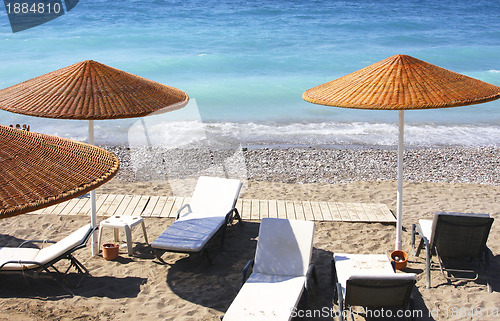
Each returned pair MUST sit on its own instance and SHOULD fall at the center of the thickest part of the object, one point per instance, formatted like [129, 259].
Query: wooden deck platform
[250, 209]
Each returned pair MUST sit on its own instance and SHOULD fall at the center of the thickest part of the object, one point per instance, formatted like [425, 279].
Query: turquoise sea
[245, 64]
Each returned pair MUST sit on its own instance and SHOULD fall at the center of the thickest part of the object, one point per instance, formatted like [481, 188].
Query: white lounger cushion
[428, 227]
[17, 254]
[188, 234]
[45, 255]
[348, 265]
[266, 297]
[282, 258]
[213, 198]
[284, 247]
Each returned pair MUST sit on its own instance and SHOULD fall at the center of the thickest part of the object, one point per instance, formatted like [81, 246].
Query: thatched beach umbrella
[40, 170]
[402, 83]
[90, 90]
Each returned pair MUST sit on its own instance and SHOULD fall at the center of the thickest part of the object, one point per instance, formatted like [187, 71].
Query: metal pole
[93, 219]
[399, 224]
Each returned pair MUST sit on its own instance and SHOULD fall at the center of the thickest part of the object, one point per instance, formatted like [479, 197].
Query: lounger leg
[340, 300]
[158, 255]
[413, 229]
[144, 232]
[237, 216]
[487, 254]
[99, 242]
[128, 234]
[428, 265]
[58, 279]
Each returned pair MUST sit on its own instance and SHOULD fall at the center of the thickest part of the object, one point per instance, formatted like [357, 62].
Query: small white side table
[127, 223]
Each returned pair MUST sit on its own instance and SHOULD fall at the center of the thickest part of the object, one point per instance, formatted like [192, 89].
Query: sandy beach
[188, 288]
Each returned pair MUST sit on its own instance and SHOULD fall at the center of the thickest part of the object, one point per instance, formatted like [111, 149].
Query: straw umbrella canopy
[402, 83]
[40, 170]
[90, 90]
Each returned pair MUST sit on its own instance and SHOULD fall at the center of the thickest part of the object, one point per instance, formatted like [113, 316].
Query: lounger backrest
[214, 196]
[77, 238]
[284, 247]
[460, 234]
[380, 291]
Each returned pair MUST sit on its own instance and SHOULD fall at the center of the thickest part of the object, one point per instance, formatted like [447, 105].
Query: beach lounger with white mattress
[368, 281]
[281, 272]
[211, 209]
[454, 236]
[24, 259]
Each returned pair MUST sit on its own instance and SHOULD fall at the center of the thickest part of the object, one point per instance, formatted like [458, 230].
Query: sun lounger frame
[56, 275]
[447, 221]
[345, 303]
[229, 219]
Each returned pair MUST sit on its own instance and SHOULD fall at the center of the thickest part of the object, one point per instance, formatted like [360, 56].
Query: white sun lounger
[281, 272]
[455, 235]
[22, 259]
[211, 209]
[369, 281]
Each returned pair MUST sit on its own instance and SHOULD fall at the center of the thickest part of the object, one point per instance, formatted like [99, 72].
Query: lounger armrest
[245, 271]
[36, 241]
[180, 210]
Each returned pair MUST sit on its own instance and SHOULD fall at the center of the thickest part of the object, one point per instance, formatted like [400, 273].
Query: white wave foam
[230, 134]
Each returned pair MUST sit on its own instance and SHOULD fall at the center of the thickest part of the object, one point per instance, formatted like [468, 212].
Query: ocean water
[245, 65]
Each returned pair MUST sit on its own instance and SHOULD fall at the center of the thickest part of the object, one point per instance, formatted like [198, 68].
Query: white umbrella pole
[93, 219]
[399, 224]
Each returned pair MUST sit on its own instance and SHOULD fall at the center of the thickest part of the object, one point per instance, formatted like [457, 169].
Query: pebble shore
[311, 165]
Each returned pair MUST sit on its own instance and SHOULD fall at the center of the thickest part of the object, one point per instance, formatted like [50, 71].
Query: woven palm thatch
[40, 170]
[402, 82]
[90, 90]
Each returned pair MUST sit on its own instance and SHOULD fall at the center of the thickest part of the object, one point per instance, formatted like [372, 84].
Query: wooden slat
[280, 205]
[273, 208]
[344, 212]
[299, 211]
[325, 210]
[386, 212]
[129, 210]
[246, 208]
[110, 200]
[334, 211]
[79, 206]
[249, 209]
[352, 213]
[100, 200]
[112, 209]
[358, 208]
[49, 210]
[59, 208]
[264, 208]
[308, 212]
[254, 209]
[123, 205]
[150, 207]
[372, 215]
[290, 210]
[167, 208]
[318, 216]
[159, 206]
[178, 203]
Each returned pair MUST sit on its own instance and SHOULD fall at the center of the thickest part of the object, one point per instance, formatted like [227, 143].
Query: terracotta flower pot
[110, 251]
[400, 258]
